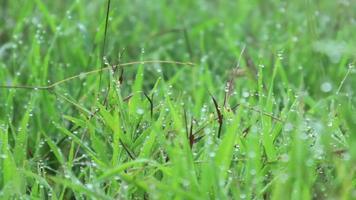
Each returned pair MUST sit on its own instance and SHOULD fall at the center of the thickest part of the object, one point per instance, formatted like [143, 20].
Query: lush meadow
[218, 99]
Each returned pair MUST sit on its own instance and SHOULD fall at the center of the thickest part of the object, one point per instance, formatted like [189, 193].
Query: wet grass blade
[220, 116]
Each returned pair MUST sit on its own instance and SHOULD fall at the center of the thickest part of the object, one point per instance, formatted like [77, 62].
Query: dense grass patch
[249, 99]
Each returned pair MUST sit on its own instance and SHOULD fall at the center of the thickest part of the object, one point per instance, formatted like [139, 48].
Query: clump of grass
[278, 124]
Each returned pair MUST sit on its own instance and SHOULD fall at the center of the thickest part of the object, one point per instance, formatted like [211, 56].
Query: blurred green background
[296, 60]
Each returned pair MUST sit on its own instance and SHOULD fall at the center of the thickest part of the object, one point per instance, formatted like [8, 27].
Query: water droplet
[253, 172]
[227, 87]
[212, 154]
[288, 127]
[330, 124]
[294, 39]
[245, 94]
[3, 156]
[280, 55]
[284, 157]
[140, 111]
[81, 76]
[284, 177]
[69, 16]
[90, 186]
[186, 183]
[251, 154]
[326, 87]
[106, 62]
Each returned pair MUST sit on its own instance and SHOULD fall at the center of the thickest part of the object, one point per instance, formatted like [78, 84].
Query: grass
[177, 99]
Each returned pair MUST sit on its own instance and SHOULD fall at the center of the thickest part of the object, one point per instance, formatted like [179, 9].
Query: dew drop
[140, 111]
[245, 94]
[212, 154]
[90, 186]
[326, 87]
[288, 127]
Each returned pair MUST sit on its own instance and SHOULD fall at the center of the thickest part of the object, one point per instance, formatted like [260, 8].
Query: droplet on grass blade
[251, 154]
[90, 186]
[326, 87]
[330, 124]
[280, 54]
[284, 157]
[212, 154]
[140, 111]
[81, 76]
[105, 60]
[288, 127]
[245, 94]
[3, 156]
